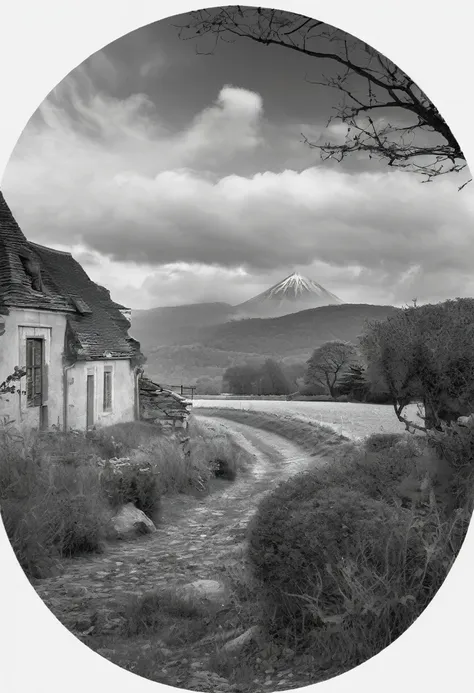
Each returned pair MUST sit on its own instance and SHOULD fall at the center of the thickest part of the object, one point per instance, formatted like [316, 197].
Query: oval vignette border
[37, 651]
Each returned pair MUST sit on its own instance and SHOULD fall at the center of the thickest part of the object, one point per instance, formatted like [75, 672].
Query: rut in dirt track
[196, 537]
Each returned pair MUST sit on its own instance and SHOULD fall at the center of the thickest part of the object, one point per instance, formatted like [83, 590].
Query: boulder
[234, 646]
[131, 522]
[466, 420]
[209, 592]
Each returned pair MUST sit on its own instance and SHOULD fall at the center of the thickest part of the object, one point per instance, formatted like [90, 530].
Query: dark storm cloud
[191, 174]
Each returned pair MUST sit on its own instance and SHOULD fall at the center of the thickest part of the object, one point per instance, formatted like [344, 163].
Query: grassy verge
[59, 491]
[210, 443]
[347, 555]
[314, 438]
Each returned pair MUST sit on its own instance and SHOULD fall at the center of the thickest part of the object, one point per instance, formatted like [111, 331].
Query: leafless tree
[383, 113]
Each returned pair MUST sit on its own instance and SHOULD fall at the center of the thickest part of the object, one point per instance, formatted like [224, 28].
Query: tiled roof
[96, 327]
[98, 324]
[16, 287]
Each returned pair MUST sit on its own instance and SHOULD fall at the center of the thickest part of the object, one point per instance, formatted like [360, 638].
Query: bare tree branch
[368, 82]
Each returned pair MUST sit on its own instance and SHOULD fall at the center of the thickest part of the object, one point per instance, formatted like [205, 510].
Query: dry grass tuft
[58, 491]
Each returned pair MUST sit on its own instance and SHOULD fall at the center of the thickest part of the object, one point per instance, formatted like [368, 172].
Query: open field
[350, 419]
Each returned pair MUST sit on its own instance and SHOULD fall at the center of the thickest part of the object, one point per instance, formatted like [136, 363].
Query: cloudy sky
[176, 177]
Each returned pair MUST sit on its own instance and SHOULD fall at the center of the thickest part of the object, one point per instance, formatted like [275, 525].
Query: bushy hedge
[300, 546]
[342, 560]
[454, 446]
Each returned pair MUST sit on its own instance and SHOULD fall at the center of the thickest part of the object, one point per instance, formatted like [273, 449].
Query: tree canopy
[426, 353]
[268, 378]
[329, 363]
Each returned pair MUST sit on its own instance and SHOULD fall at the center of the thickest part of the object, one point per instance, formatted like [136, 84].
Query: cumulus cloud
[228, 127]
[109, 177]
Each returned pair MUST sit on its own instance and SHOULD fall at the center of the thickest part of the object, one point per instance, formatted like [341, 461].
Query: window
[108, 388]
[34, 372]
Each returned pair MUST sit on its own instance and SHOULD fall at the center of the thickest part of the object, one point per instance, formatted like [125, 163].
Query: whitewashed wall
[123, 393]
[23, 324]
[20, 325]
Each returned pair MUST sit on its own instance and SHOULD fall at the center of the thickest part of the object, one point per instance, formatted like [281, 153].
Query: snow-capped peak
[293, 293]
[295, 286]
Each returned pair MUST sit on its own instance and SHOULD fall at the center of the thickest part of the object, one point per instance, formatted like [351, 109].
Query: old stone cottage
[82, 366]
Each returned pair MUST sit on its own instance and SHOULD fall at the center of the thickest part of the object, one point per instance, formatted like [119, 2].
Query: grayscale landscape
[236, 351]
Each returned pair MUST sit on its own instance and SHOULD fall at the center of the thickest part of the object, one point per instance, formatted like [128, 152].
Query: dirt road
[195, 539]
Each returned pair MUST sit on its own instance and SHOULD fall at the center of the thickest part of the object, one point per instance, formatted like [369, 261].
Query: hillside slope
[186, 364]
[291, 338]
[176, 324]
[295, 334]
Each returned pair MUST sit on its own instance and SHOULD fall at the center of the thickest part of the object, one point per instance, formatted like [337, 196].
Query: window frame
[34, 398]
[108, 390]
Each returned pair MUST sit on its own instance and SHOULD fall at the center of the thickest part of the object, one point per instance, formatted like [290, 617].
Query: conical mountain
[292, 294]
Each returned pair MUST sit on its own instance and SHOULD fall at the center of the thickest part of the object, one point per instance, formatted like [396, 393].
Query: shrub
[158, 468]
[132, 482]
[121, 439]
[379, 398]
[56, 500]
[50, 507]
[342, 564]
[148, 612]
[59, 490]
[454, 446]
[378, 465]
[344, 572]
[297, 543]
[382, 441]
[80, 524]
[216, 451]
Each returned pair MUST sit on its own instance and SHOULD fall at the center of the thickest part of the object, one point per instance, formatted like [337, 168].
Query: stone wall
[159, 405]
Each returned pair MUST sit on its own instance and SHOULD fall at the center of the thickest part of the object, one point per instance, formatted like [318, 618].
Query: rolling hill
[295, 334]
[177, 324]
[176, 365]
[172, 325]
[290, 338]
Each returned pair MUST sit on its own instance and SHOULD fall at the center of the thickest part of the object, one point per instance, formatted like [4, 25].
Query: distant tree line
[421, 354]
[267, 378]
[335, 369]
